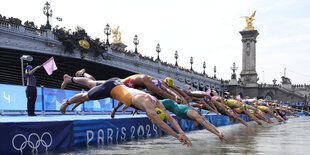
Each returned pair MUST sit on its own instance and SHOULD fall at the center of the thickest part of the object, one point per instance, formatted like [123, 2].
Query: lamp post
[274, 81]
[136, 42]
[107, 31]
[214, 71]
[204, 68]
[158, 51]
[176, 56]
[48, 12]
[191, 61]
[22, 58]
[234, 68]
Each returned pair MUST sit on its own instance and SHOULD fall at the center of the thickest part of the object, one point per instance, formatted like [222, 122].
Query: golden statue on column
[116, 35]
[249, 24]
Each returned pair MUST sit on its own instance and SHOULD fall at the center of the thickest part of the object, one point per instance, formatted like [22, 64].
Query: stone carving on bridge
[116, 35]
[79, 40]
[249, 20]
[84, 43]
[196, 83]
[286, 80]
[201, 84]
[188, 81]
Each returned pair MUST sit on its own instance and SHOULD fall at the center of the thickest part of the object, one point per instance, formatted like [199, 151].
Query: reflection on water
[277, 138]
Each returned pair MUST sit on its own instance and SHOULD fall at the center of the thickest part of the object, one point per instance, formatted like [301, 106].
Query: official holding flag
[31, 90]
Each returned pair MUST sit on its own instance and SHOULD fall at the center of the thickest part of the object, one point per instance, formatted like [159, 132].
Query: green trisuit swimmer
[187, 112]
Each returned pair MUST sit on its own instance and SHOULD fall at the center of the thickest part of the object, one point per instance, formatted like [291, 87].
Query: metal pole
[43, 103]
[83, 107]
[22, 65]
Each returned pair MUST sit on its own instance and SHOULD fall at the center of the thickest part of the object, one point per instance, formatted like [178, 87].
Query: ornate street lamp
[234, 68]
[136, 42]
[48, 12]
[214, 71]
[26, 58]
[274, 81]
[204, 68]
[191, 61]
[176, 56]
[107, 31]
[158, 51]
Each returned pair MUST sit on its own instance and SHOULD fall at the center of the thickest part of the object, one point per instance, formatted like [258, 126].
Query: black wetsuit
[31, 93]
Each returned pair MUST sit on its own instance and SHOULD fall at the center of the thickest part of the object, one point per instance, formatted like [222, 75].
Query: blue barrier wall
[35, 136]
[13, 97]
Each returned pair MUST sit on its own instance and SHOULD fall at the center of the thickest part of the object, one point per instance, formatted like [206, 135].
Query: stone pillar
[248, 75]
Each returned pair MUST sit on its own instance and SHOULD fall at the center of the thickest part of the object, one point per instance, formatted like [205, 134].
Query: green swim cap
[244, 106]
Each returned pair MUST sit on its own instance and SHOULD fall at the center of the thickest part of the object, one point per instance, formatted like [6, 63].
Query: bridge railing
[23, 29]
[7, 25]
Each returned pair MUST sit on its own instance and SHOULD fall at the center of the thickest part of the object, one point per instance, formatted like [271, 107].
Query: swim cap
[29, 67]
[244, 106]
[226, 95]
[160, 113]
[169, 81]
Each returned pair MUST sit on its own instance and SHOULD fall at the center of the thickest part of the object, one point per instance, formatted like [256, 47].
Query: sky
[207, 30]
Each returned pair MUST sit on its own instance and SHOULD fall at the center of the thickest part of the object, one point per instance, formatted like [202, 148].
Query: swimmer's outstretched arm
[172, 121]
[177, 97]
[33, 70]
[181, 92]
[151, 113]
[212, 128]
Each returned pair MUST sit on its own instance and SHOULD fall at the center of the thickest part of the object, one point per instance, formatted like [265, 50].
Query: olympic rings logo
[31, 141]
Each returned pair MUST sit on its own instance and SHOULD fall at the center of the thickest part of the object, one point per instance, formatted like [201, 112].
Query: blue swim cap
[29, 67]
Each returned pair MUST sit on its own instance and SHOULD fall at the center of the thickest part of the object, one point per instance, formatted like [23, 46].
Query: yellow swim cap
[169, 81]
[160, 113]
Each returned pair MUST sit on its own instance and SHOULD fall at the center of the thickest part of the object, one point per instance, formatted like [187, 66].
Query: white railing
[21, 28]
[7, 25]
[33, 31]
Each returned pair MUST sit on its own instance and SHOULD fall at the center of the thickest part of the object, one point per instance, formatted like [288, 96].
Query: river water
[277, 138]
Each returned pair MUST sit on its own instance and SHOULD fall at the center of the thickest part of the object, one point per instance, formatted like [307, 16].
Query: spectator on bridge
[31, 90]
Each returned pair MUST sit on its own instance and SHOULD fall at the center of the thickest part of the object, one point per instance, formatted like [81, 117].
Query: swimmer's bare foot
[113, 112]
[63, 106]
[67, 79]
[134, 112]
[80, 73]
[76, 105]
